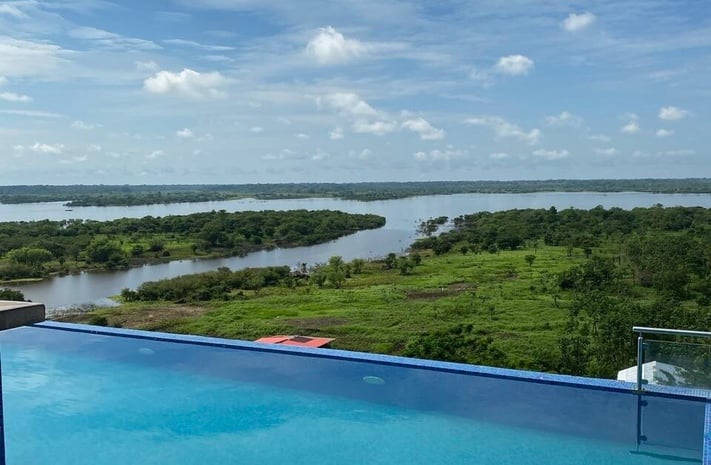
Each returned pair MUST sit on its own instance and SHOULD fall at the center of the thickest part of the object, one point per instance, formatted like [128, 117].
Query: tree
[530, 258]
[32, 257]
[11, 294]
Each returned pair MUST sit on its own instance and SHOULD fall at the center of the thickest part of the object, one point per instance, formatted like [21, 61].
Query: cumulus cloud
[155, 154]
[185, 133]
[348, 103]
[78, 124]
[336, 134]
[564, 119]
[439, 155]
[632, 126]
[330, 47]
[256, 129]
[187, 83]
[661, 133]
[303, 136]
[13, 97]
[514, 65]
[505, 129]
[551, 154]
[499, 156]
[578, 22]
[422, 127]
[378, 128]
[672, 113]
[38, 147]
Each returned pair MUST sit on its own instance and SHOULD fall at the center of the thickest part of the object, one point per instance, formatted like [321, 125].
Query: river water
[403, 217]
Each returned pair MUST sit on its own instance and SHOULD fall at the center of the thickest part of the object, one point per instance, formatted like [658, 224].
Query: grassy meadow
[500, 297]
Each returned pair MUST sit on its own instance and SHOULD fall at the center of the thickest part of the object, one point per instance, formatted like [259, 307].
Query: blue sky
[241, 91]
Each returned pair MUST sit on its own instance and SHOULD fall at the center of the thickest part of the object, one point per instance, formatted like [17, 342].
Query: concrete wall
[14, 314]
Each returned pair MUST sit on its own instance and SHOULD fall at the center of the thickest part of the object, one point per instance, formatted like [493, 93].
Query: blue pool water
[78, 398]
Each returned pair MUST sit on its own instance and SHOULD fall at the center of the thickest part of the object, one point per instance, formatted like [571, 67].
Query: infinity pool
[75, 397]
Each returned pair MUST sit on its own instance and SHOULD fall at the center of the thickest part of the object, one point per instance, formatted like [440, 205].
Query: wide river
[403, 217]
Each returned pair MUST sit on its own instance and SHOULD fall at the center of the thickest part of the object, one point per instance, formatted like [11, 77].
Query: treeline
[512, 229]
[102, 195]
[34, 249]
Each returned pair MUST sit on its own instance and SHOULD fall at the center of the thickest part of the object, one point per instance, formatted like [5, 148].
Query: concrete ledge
[14, 314]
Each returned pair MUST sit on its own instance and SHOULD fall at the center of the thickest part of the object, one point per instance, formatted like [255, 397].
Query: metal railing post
[640, 361]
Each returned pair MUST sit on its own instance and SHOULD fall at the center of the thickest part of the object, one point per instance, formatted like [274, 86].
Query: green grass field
[494, 295]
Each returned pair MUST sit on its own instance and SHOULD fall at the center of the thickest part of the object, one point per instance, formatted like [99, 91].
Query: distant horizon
[372, 182]
[233, 91]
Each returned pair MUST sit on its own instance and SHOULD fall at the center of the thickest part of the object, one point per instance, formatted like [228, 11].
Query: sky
[271, 91]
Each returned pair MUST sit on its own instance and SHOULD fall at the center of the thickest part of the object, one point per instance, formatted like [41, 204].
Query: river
[403, 216]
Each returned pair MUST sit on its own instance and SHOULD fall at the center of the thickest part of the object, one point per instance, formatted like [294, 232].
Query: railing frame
[640, 330]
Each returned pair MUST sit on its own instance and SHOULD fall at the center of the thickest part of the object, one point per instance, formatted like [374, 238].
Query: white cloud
[191, 43]
[608, 152]
[505, 129]
[38, 147]
[439, 155]
[365, 154]
[379, 128]
[672, 113]
[677, 153]
[632, 126]
[149, 66]
[13, 11]
[336, 133]
[330, 47]
[564, 119]
[26, 58]
[31, 113]
[481, 77]
[599, 137]
[94, 148]
[664, 133]
[256, 129]
[422, 127]
[13, 97]
[188, 83]
[155, 154]
[349, 104]
[185, 133]
[499, 156]
[78, 124]
[112, 40]
[551, 154]
[514, 65]
[303, 136]
[578, 22]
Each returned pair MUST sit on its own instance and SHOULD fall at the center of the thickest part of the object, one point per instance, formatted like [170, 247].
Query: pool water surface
[80, 398]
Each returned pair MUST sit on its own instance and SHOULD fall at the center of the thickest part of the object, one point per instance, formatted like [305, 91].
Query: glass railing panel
[677, 363]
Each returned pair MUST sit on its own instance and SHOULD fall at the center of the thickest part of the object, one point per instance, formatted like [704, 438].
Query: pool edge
[451, 367]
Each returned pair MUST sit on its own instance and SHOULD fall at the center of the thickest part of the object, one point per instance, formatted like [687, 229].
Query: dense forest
[35, 249]
[103, 195]
[537, 289]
